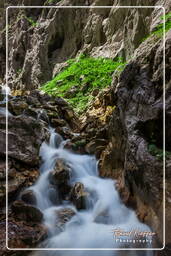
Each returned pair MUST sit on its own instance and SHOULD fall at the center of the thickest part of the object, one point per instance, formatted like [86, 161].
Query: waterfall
[5, 91]
[94, 226]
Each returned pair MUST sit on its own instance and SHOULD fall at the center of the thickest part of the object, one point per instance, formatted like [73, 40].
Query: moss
[82, 75]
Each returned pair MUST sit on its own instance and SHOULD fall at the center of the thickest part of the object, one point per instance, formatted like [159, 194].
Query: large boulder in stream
[63, 216]
[60, 177]
[78, 196]
[29, 197]
[26, 212]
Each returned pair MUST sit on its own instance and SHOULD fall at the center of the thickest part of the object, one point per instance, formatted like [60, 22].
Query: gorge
[85, 126]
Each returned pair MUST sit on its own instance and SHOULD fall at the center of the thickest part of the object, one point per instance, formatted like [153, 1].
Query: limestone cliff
[127, 137]
[40, 39]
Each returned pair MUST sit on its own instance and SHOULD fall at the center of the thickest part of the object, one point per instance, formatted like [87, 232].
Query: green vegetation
[80, 78]
[31, 21]
[157, 152]
[19, 71]
[158, 31]
[52, 1]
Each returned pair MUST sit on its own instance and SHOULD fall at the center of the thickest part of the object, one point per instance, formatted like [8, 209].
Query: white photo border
[164, 187]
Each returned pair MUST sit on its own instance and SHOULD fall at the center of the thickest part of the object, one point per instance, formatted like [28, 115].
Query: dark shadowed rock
[26, 212]
[61, 173]
[78, 196]
[25, 136]
[29, 197]
[63, 216]
[60, 177]
[21, 235]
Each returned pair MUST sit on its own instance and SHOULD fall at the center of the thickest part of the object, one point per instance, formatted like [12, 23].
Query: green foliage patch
[31, 21]
[157, 152]
[78, 80]
[159, 29]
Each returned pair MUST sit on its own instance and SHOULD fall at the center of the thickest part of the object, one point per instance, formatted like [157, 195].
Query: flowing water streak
[5, 91]
[90, 228]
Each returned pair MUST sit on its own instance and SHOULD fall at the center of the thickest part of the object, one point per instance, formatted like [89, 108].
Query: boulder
[14, 187]
[63, 216]
[25, 136]
[78, 196]
[94, 145]
[61, 173]
[21, 235]
[60, 177]
[17, 107]
[29, 213]
[29, 197]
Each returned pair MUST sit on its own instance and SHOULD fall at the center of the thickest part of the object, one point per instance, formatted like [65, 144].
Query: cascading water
[92, 227]
[5, 91]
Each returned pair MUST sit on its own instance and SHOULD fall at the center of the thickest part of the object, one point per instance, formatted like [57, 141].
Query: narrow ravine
[92, 227]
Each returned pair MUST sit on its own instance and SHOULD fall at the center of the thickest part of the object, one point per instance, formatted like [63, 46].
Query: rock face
[42, 43]
[135, 127]
[25, 135]
[140, 102]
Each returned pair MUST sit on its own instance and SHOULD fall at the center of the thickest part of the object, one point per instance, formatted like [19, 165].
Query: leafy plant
[82, 75]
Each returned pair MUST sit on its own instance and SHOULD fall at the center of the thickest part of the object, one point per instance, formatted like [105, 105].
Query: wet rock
[93, 146]
[25, 136]
[65, 132]
[78, 196]
[63, 216]
[78, 144]
[26, 212]
[60, 177]
[21, 235]
[14, 187]
[58, 122]
[31, 112]
[61, 173]
[29, 197]
[17, 107]
[19, 177]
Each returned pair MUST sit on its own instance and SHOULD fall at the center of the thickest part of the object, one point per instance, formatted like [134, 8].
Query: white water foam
[90, 228]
